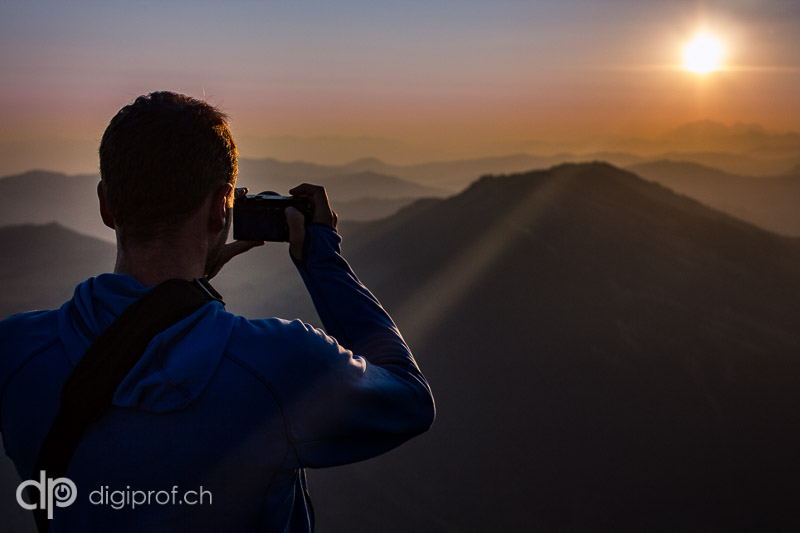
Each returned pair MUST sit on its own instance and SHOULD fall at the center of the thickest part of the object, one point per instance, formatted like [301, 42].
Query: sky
[438, 74]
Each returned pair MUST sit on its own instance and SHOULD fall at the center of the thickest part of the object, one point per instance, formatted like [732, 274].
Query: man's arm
[382, 398]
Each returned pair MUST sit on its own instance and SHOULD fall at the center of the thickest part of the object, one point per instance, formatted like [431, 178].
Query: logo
[59, 491]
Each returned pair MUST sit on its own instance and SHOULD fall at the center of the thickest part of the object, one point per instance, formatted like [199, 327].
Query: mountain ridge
[601, 345]
[769, 202]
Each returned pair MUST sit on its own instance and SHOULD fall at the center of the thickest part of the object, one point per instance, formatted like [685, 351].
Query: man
[216, 422]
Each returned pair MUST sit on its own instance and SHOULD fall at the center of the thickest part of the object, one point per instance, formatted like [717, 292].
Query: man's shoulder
[276, 342]
[276, 334]
[24, 335]
[29, 327]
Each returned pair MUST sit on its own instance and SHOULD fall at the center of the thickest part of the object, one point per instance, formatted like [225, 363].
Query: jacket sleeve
[367, 393]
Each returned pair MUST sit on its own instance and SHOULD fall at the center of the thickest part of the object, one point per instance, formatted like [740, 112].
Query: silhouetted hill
[367, 183]
[365, 209]
[734, 163]
[770, 202]
[43, 263]
[605, 355]
[39, 197]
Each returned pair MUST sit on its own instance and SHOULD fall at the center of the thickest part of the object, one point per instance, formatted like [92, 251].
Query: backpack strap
[90, 387]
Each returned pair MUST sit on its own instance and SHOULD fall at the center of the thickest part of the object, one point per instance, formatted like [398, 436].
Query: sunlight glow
[703, 54]
[423, 314]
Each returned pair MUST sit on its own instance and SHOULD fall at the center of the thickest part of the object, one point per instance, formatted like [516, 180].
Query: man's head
[160, 159]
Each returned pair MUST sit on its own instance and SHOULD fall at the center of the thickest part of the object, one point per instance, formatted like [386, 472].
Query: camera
[261, 217]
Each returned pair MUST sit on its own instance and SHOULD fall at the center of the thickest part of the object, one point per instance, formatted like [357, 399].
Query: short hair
[160, 157]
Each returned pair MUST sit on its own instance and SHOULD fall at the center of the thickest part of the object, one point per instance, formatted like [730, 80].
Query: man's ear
[105, 212]
[220, 199]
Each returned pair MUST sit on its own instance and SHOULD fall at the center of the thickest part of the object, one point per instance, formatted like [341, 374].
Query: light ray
[446, 290]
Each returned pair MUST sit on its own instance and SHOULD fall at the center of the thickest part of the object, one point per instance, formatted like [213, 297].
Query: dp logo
[60, 491]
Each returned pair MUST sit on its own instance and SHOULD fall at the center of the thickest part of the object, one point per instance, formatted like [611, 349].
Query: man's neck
[153, 262]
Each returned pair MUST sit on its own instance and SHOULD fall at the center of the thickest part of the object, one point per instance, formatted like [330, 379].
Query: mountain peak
[584, 170]
[365, 161]
[36, 174]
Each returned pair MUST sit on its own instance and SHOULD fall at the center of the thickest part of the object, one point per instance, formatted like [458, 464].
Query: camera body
[261, 217]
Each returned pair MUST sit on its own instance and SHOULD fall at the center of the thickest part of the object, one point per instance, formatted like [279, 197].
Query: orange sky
[439, 74]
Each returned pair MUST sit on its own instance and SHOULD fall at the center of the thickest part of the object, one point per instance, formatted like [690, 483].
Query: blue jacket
[230, 408]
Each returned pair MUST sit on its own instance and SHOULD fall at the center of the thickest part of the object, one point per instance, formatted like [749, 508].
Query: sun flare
[703, 54]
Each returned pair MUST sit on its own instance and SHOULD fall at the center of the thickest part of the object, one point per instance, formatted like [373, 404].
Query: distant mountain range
[369, 189]
[754, 148]
[347, 182]
[39, 197]
[605, 355]
[454, 176]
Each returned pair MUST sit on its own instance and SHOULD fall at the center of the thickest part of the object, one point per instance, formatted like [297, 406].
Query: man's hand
[231, 250]
[323, 214]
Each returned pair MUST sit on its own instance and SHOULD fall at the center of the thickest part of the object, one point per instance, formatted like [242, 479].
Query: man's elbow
[430, 415]
[425, 412]
[416, 408]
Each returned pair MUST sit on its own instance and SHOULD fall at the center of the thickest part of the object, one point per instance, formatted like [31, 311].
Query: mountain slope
[603, 353]
[769, 202]
[366, 209]
[44, 263]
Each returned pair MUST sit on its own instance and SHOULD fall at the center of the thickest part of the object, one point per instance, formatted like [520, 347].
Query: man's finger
[305, 189]
[235, 248]
[323, 214]
[297, 232]
[240, 192]
[231, 250]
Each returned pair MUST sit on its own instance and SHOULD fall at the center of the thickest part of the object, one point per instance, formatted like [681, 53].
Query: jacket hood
[178, 363]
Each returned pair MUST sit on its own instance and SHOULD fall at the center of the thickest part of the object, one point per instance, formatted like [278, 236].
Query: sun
[703, 54]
